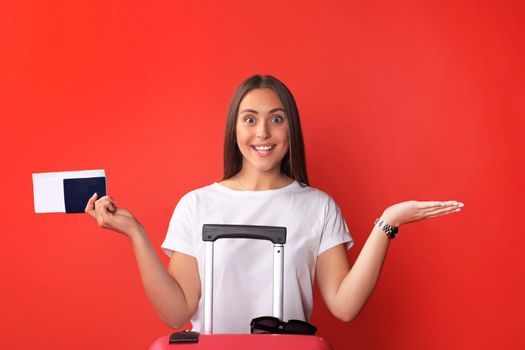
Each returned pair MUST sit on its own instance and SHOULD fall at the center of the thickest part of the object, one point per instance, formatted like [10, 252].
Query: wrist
[136, 233]
[390, 219]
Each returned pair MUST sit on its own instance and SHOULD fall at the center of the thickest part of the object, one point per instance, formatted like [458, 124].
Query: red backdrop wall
[399, 100]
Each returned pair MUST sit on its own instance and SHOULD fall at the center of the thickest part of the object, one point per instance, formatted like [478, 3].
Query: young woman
[265, 183]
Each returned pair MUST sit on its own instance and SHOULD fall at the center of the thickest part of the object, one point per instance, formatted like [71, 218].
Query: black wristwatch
[391, 231]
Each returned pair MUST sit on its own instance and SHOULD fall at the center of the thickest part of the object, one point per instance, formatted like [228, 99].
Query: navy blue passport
[78, 191]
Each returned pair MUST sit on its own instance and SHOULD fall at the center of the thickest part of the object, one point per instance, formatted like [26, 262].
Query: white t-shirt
[243, 269]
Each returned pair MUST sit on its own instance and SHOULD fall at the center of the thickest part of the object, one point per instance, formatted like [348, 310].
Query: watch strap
[391, 231]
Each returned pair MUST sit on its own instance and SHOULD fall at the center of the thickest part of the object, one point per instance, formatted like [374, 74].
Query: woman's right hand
[109, 216]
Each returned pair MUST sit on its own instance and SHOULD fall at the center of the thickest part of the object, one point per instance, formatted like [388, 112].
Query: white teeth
[263, 148]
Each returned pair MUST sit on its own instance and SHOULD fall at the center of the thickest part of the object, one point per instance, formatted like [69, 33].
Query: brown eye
[277, 119]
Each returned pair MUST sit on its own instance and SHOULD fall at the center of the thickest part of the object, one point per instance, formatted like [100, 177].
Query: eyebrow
[248, 110]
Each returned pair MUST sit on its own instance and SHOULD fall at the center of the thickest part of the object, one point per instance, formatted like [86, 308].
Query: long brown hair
[293, 164]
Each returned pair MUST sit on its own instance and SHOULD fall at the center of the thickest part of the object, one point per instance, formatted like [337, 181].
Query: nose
[263, 131]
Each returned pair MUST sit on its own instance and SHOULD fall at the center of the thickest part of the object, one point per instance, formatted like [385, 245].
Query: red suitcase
[208, 340]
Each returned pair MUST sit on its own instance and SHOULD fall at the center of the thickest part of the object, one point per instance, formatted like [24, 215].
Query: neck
[258, 181]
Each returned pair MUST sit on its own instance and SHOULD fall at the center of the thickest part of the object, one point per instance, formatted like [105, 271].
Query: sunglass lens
[264, 324]
[300, 327]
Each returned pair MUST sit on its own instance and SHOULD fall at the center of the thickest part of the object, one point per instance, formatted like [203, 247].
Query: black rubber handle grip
[271, 233]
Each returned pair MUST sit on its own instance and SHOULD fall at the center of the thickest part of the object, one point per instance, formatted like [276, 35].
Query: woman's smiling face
[262, 130]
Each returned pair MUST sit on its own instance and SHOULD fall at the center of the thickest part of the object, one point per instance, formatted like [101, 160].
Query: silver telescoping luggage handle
[277, 235]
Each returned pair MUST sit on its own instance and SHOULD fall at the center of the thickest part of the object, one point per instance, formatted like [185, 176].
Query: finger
[446, 213]
[107, 206]
[453, 204]
[430, 204]
[107, 198]
[111, 207]
[103, 216]
[90, 206]
[439, 204]
[443, 211]
[108, 203]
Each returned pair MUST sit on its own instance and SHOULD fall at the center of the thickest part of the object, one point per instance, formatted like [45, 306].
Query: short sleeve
[180, 235]
[335, 230]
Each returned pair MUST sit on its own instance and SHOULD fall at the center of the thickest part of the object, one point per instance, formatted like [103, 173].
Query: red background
[399, 100]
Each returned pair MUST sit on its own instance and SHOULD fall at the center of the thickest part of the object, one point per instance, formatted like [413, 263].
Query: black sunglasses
[272, 325]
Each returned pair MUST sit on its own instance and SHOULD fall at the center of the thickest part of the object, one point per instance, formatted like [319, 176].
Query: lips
[263, 150]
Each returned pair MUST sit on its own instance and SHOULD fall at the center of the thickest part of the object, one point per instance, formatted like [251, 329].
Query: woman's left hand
[405, 212]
